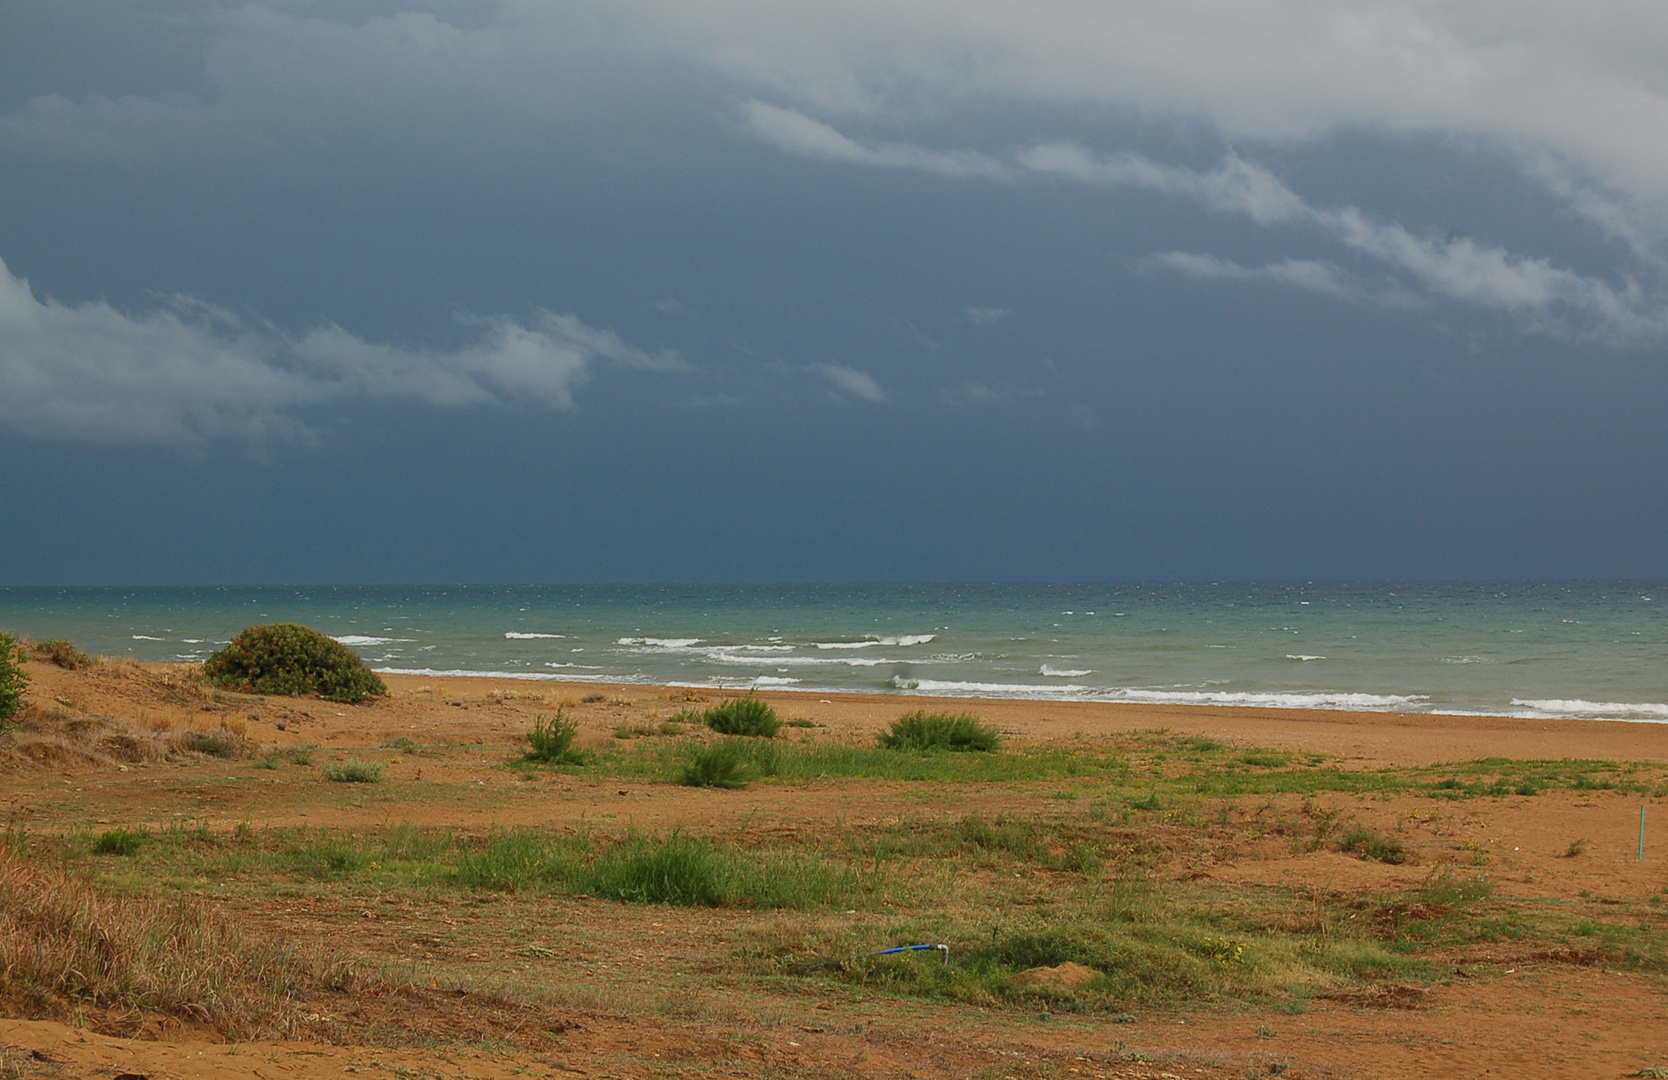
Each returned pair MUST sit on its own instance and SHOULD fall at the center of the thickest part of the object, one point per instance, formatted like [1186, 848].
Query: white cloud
[986, 316]
[850, 382]
[1460, 270]
[1316, 276]
[190, 371]
[802, 135]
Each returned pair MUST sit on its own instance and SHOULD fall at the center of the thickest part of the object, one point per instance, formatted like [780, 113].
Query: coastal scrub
[286, 658]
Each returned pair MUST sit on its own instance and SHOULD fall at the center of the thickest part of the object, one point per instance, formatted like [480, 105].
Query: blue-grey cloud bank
[732, 290]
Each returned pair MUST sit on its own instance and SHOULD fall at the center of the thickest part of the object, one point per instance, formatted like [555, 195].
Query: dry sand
[1524, 1008]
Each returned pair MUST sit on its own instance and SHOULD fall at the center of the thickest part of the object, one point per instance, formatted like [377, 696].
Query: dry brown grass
[64, 948]
[54, 736]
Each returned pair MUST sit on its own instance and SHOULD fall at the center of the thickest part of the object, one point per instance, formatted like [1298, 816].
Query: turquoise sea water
[1579, 649]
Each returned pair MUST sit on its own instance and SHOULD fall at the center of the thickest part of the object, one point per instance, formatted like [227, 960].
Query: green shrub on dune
[12, 677]
[285, 658]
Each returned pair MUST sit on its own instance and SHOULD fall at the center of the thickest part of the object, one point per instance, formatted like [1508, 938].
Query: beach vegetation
[119, 842]
[290, 659]
[940, 731]
[13, 679]
[551, 741]
[724, 764]
[353, 771]
[747, 716]
[62, 653]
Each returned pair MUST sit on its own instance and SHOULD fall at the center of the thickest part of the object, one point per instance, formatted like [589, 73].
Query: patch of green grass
[940, 731]
[353, 771]
[748, 716]
[120, 842]
[1265, 759]
[670, 869]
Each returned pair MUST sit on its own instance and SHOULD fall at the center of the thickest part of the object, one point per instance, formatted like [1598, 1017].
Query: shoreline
[1365, 738]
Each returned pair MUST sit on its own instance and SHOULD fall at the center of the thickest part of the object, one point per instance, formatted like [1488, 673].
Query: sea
[1596, 650]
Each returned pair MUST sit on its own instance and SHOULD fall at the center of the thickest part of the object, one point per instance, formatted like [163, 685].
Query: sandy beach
[632, 989]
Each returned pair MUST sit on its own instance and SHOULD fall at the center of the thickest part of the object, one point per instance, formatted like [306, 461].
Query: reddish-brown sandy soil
[627, 991]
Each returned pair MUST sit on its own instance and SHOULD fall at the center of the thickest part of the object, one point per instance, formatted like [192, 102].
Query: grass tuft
[724, 764]
[750, 716]
[63, 653]
[353, 771]
[940, 731]
[119, 842]
[551, 740]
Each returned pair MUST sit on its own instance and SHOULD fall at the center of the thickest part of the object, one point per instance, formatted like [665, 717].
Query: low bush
[63, 653]
[1372, 845]
[214, 744]
[722, 765]
[285, 658]
[940, 731]
[551, 740]
[744, 716]
[13, 679]
[353, 771]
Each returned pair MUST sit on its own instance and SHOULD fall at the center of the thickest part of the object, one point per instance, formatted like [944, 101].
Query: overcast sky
[849, 290]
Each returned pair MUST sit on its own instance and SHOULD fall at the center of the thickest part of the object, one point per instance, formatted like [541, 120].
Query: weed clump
[63, 653]
[551, 740]
[722, 765]
[214, 744]
[1373, 845]
[119, 842]
[353, 771]
[12, 677]
[286, 658]
[744, 716]
[940, 731]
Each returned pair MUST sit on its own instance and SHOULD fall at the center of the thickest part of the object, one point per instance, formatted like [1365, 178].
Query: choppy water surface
[1526, 649]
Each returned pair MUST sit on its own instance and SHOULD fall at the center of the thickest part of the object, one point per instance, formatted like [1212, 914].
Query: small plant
[551, 740]
[301, 755]
[671, 727]
[119, 842]
[721, 765]
[405, 744]
[633, 731]
[744, 716]
[214, 744]
[12, 677]
[1149, 801]
[940, 731]
[1576, 847]
[801, 722]
[63, 653]
[286, 658]
[1372, 845]
[593, 699]
[353, 771]
[267, 761]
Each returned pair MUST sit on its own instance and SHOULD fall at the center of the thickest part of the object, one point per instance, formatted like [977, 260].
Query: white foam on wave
[774, 680]
[145, 637]
[660, 643]
[1464, 660]
[1064, 673]
[1324, 699]
[361, 639]
[901, 641]
[976, 689]
[1272, 699]
[1598, 710]
[1303, 656]
[514, 635]
[535, 676]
